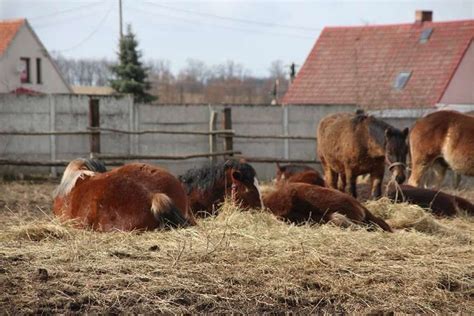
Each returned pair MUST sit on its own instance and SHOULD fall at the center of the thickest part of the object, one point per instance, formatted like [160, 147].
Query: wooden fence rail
[220, 133]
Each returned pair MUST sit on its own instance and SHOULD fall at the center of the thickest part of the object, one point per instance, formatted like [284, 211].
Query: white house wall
[25, 44]
[461, 88]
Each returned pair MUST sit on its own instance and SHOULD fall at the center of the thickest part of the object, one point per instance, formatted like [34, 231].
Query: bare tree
[84, 72]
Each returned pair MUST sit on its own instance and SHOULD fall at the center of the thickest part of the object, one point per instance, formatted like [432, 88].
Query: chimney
[423, 16]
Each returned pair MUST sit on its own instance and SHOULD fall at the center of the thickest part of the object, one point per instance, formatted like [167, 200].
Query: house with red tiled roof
[25, 64]
[420, 65]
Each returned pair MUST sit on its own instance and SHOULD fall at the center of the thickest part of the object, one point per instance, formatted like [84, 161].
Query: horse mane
[73, 172]
[205, 177]
[375, 126]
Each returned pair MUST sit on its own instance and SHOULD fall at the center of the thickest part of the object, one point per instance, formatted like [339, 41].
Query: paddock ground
[244, 262]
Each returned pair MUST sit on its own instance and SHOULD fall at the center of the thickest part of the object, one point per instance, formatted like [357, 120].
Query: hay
[243, 262]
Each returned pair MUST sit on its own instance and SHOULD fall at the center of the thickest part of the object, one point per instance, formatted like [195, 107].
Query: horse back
[448, 134]
[344, 139]
[122, 198]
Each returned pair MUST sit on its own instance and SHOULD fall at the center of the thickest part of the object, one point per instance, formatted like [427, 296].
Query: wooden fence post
[52, 128]
[228, 139]
[94, 122]
[212, 137]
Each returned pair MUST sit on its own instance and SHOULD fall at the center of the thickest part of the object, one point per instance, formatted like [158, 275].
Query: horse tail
[464, 205]
[166, 212]
[372, 219]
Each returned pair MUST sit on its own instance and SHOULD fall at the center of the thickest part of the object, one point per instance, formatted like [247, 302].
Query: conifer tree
[130, 76]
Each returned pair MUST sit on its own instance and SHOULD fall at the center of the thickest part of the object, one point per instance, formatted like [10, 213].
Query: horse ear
[405, 132]
[279, 167]
[236, 175]
[388, 132]
[227, 164]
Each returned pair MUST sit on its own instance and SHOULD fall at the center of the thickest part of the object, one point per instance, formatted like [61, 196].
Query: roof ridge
[416, 24]
[17, 20]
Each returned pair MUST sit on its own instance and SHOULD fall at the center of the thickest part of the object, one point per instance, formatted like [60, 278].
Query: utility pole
[120, 19]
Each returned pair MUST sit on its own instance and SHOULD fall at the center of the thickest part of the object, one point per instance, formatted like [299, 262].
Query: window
[401, 80]
[425, 35]
[25, 70]
[38, 71]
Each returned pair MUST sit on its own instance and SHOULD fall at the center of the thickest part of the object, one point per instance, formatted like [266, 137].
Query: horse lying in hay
[350, 145]
[301, 202]
[443, 138]
[440, 203]
[209, 186]
[132, 197]
[298, 173]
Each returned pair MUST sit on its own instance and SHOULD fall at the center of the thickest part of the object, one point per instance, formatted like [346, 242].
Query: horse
[440, 203]
[210, 185]
[135, 196]
[298, 173]
[301, 202]
[350, 145]
[442, 139]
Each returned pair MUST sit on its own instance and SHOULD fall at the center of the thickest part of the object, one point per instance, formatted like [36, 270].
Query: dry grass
[245, 262]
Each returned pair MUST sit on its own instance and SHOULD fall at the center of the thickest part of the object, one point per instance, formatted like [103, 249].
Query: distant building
[93, 90]
[25, 64]
[421, 65]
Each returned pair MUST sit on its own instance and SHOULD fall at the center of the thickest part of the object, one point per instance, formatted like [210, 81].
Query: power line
[240, 20]
[95, 30]
[65, 11]
[194, 22]
[63, 20]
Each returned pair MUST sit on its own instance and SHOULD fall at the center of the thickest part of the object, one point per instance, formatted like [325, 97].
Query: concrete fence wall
[71, 113]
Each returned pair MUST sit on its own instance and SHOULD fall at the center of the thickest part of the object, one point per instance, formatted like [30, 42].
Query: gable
[26, 45]
[461, 87]
[360, 65]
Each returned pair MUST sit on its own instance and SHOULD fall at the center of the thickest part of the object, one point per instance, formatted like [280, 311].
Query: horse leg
[352, 181]
[331, 177]
[376, 178]
[417, 172]
[439, 170]
[341, 185]
[456, 180]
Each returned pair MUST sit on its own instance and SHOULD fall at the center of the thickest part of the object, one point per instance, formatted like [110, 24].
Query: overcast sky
[253, 33]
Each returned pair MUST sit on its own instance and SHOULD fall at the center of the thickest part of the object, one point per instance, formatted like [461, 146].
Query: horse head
[245, 188]
[280, 174]
[396, 149]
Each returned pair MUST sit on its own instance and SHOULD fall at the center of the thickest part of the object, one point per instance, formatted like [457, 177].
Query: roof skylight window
[401, 80]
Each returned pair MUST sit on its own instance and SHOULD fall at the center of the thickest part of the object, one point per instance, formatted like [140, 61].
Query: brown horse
[208, 186]
[301, 202]
[350, 145]
[132, 197]
[442, 139]
[440, 203]
[298, 173]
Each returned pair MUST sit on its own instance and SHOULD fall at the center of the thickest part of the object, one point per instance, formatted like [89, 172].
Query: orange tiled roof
[358, 65]
[8, 29]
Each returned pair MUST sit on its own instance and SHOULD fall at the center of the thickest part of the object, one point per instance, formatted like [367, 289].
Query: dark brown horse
[208, 186]
[298, 173]
[132, 197]
[440, 203]
[442, 139]
[300, 202]
[350, 145]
